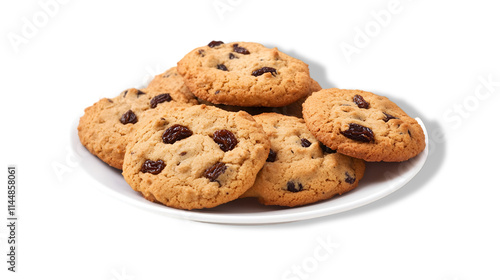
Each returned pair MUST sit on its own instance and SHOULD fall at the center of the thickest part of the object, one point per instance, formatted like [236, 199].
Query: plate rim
[283, 216]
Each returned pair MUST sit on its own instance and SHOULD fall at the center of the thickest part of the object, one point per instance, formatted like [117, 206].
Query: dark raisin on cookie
[128, 117]
[222, 67]
[201, 53]
[388, 117]
[305, 143]
[214, 44]
[175, 133]
[110, 101]
[239, 49]
[263, 70]
[139, 93]
[359, 133]
[225, 139]
[272, 156]
[294, 187]
[232, 56]
[215, 171]
[361, 102]
[160, 99]
[153, 167]
[326, 149]
[349, 179]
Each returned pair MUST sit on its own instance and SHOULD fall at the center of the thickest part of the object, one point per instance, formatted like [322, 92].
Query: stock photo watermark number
[11, 218]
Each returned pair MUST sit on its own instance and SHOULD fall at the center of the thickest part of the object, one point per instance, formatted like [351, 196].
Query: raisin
[232, 56]
[327, 150]
[214, 44]
[160, 99]
[175, 133]
[201, 53]
[349, 179]
[138, 93]
[153, 167]
[361, 102]
[217, 91]
[388, 117]
[226, 139]
[128, 117]
[263, 70]
[294, 187]
[305, 143]
[215, 171]
[222, 67]
[241, 50]
[272, 156]
[111, 101]
[359, 133]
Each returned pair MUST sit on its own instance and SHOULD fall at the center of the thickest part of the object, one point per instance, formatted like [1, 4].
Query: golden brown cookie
[194, 157]
[299, 169]
[172, 83]
[363, 125]
[244, 74]
[106, 126]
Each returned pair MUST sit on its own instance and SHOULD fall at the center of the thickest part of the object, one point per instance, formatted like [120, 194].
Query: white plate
[380, 180]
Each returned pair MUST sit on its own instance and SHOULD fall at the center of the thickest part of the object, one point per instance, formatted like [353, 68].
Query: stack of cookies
[242, 120]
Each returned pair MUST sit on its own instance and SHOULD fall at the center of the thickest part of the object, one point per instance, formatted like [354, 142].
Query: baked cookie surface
[172, 83]
[299, 170]
[106, 126]
[244, 74]
[294, 109]
[363, 125]
[195, 157]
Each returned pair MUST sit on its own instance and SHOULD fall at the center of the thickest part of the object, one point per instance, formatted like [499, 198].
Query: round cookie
[299, 169]
[106, 126]
[195, 157]
[363, 125]
[244, 74]
[172, 83]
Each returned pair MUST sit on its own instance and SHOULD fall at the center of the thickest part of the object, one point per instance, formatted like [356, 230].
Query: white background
[430, 57]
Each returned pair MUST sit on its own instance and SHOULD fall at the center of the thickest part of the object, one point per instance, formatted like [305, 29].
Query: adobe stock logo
[363, 36]
[223, 6]
[31, 26]
[324, 250]
[460, 111]
[122, 275]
